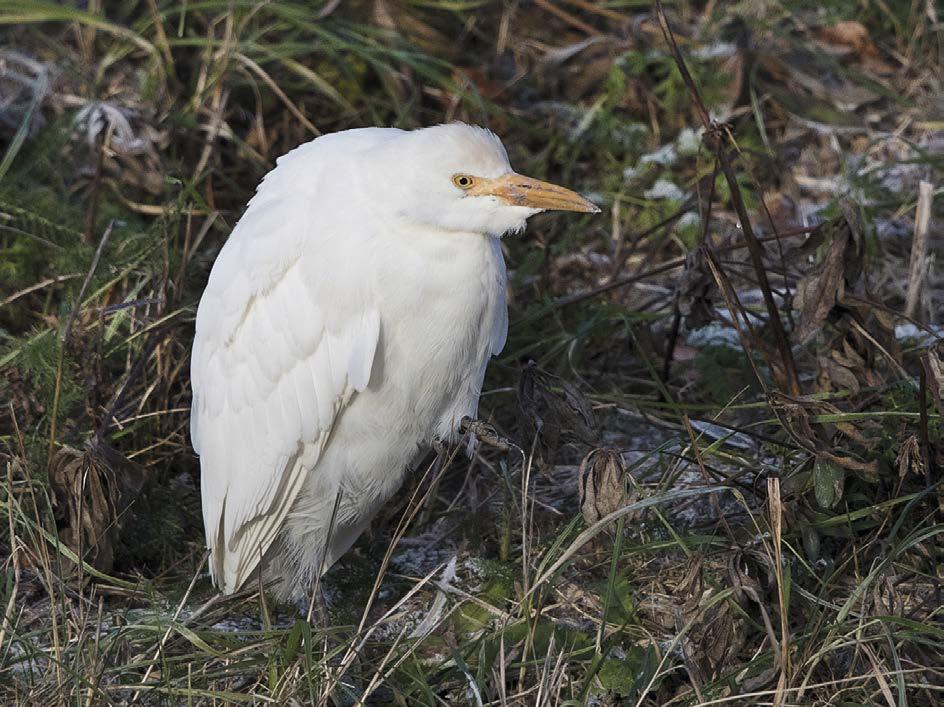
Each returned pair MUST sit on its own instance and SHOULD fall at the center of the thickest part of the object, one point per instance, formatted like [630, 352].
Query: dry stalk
[716, 137]
[916, 305]
[776, 527]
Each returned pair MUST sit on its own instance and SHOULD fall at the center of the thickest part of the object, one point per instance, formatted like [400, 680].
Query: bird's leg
[442, 454]
[486, 433]
[312, 605]
[441, 451]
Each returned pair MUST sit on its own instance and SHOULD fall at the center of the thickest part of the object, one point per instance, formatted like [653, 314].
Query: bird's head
[457, 177]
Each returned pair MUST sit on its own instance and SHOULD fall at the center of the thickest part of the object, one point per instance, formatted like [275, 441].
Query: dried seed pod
[821, 291]
[909, 458]
[90, 490]
[552, 411]
[603, 480]
[933, 363]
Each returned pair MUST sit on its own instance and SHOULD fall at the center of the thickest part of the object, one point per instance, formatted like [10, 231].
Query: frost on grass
[665, 189]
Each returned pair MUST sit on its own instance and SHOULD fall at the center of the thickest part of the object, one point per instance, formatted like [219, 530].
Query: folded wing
[285, 336]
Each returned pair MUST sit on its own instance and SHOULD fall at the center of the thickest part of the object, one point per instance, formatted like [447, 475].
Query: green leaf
[301, 630]
[828, 482]
[811, 543]
[620, 607]
[629, 676]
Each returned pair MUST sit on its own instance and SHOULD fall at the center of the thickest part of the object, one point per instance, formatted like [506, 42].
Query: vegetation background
[715, 469]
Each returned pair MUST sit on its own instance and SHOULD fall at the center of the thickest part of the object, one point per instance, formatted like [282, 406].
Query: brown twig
[639, 237]
[614, 284]
[658, 270]
[567, 17]
[715, 138]
[775, 508]
[596, 9]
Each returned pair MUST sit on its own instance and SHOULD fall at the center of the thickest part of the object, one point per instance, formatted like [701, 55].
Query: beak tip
[518, 190]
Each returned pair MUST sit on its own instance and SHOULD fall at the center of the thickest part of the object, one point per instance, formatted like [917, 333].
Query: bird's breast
[443, 313]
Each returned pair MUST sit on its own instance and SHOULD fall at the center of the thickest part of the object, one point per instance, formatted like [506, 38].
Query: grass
[766, 546]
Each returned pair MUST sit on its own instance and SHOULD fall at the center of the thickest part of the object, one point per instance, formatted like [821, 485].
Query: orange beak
[519, 190]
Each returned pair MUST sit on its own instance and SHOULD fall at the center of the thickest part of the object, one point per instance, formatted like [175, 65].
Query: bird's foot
[485, 433]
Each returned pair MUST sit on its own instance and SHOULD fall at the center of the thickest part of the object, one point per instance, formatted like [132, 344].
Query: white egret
[346, 325]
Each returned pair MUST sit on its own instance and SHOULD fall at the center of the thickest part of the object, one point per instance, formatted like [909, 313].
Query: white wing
[286, 334]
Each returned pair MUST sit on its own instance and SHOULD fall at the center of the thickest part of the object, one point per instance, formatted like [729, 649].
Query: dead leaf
[796, 420]
[818, 292]
[851, 34]
[399, 17]
[745, 587]
[834, 376]
[934, 372]
[849, 357]
[478, 81]
[909, 458]
[851, 39]
[822, 289]
[851, 431]
[867, 470]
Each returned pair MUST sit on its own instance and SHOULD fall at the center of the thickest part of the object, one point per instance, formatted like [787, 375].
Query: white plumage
[346, 324]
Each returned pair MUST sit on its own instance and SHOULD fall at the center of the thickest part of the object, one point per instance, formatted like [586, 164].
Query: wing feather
[500, 320]
[283, 343]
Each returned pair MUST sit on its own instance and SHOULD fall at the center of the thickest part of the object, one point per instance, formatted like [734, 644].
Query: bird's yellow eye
[463, 181]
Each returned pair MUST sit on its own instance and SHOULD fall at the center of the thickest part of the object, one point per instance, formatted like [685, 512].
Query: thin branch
[715, 138]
